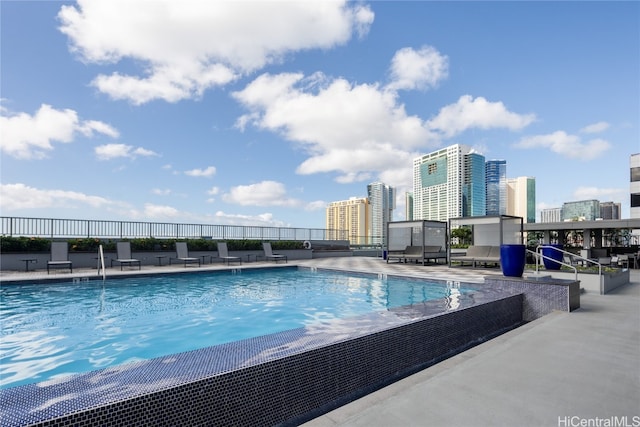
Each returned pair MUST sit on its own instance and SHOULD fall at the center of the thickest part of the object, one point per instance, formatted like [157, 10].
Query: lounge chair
[474, 253]
[223, 254]
[123, 250]
[182, 255]
[59, 256]
[493, 257]
[269, 255]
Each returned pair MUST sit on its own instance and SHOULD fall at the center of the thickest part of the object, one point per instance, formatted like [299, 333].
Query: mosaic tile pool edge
[541, 296]
[301, 382]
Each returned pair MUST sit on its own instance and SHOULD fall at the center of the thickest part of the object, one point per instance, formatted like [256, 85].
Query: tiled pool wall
[279, 379]
[540, 295]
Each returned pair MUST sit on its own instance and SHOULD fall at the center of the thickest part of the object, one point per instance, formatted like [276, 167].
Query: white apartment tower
[382, 202]
[444, 184]
[351, 217]
[521, 198]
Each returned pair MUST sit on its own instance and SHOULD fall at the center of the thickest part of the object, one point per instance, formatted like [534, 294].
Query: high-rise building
[496, 184]
[449, 183]
[634, 186]
[583, 210]
[474, 191]
[551, 215]
[382, 202]
[351, 216]
[610, 210]
[521, 198]
[408, 206]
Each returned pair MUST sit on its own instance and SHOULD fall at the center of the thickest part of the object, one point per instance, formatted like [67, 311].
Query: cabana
[418, 241]
[488, 233]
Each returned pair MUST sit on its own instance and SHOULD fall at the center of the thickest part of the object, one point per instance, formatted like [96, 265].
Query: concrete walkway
[565, 369]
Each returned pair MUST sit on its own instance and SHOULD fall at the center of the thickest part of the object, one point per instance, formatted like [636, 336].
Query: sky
[262, 112]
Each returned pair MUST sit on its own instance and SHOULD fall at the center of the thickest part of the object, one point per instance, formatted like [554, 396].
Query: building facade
[382, 202]
[496, 184]
[521, 198]
[583, 210]
[551, 215]
[449, 183]
[634, 186]
[351, 215]
[408, 206]
[610, 210]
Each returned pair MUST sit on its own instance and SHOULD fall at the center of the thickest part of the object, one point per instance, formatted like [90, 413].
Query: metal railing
[69, 228]
[573, 257]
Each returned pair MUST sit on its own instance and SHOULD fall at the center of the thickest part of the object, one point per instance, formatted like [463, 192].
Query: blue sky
[261, 113]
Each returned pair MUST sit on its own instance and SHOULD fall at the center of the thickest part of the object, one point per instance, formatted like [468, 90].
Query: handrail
[573, 256]
[540, 257]
[101, 262]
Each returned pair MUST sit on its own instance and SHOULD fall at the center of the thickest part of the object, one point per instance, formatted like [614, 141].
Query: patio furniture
[182, 255]
[269, 255]
[124, 257]
[223, 253]
[59, 256]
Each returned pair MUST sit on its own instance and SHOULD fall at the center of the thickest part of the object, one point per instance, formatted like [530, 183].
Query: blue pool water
[59, 329]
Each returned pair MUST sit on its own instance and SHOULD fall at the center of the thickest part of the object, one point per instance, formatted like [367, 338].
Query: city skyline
[206, 112]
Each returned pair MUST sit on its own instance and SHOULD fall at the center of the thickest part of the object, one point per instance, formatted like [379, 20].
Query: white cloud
[161, 192]
[265, 219]
[570, 146]
[316, 205]
[595, 127]
[357, 130]
[265, 193]
[418, 69]
[21, 196]
[206, 173]
[24, 136]
[190, 46]
[152, 211]
[113, 151]
[602, 194]
[478, 113]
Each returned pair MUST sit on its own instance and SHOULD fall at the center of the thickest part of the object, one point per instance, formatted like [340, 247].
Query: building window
[635, 200]
[433, 168]
[635, 174]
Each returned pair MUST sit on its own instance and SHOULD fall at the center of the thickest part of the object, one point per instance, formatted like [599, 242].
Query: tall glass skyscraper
[382, 202]
[449, 183]
[496, 182]
[474, 193]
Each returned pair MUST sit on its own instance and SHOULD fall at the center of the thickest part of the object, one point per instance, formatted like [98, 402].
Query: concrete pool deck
[561, 370]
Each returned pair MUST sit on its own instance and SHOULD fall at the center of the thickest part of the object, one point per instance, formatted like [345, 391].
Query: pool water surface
[49, 330]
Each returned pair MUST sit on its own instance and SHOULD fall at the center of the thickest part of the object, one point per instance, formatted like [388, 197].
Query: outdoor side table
[28, 261]
[160, 259]
[255, 257]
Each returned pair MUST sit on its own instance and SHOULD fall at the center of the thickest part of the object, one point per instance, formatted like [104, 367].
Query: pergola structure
[491, 230]
[401, 234]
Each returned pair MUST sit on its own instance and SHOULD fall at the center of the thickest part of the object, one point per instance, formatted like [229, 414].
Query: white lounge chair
[269, 255]
[59, 256]
[223, 253]
[182, 255]
[124, 257]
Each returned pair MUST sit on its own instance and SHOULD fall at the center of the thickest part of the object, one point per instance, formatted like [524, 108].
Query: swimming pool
[57, 329]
